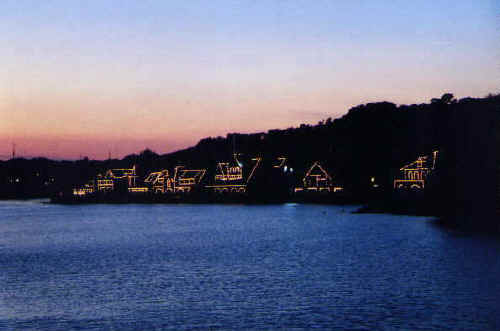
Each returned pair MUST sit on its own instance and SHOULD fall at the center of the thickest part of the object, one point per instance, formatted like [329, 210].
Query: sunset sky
[88, 77]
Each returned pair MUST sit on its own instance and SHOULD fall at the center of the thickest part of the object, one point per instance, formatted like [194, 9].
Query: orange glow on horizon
[92, 123]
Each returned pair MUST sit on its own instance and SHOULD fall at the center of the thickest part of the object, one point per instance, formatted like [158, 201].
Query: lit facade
[116, 177]
[112, 179]
[85, 190]
[104, 184]
[317, 179]
[138, 189]
[230, 176]
[185, 180]
[160, 182]
[413, 176]
[229, 171]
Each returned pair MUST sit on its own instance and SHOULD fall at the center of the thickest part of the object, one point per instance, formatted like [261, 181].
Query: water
[215, 267]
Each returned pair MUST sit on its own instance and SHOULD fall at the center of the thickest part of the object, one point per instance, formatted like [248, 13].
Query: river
[232, 267]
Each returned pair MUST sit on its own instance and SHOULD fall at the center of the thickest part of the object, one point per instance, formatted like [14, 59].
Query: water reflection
[175, 267]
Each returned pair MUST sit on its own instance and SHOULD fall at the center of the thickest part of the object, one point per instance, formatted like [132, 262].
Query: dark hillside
[371, 140]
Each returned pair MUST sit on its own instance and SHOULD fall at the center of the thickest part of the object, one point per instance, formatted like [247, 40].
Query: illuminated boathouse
[160, 182]
[187, 180]
[317, 179]
[116, 179]
[255, 179]
[414, 175]
[233, 176]
[240, 179]
[183, 180]
[124, 181]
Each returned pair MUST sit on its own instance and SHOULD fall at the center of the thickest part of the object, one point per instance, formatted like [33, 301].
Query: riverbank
[483, 220]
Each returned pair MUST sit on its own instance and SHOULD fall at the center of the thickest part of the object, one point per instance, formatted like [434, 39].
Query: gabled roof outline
[316, 164]
[420, 161]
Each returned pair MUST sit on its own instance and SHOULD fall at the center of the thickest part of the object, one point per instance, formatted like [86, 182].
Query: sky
[88, 78]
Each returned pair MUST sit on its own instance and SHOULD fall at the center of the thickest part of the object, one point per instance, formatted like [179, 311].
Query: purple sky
[88, 77]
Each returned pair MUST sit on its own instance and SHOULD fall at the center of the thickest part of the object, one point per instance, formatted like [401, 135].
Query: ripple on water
[185, 267]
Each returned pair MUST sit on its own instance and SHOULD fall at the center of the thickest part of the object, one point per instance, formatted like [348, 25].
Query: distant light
[240, 164]
[291, 169]
[373, 179]
[285, 168]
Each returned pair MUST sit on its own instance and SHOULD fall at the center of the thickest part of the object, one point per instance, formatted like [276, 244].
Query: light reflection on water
[292, 266]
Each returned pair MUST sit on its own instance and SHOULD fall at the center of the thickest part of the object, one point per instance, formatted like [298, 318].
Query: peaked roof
[155, 176]
[120, 173]
[190, 173]
[423, 162]
[317, 170]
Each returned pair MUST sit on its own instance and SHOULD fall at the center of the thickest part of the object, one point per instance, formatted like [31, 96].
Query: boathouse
[116, 179]
[186, 180]
[160, 182]
[413, 176]
[233, 176]
[86, 189]
[317, 179]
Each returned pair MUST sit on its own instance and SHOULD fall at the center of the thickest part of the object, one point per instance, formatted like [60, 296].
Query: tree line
[370, 140]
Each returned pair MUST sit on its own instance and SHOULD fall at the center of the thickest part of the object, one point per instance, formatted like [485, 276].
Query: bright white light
[285, 168]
